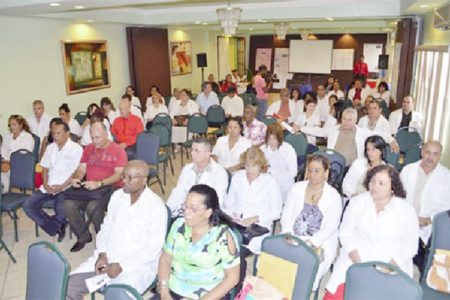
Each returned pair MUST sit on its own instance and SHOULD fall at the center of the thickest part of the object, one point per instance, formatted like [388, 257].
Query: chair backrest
[215, 114]
[47, 272]
[392, 158]
[167, 100]
[298, 141]
[337, 166]
[268, 120]
[367, 281]
[22, 170]
[163, 132]
[412, 155]
[440, 238]
[147, 147]
[407, 137]
[197, 124]
[81, 116]
[301, 254]
[37, 146]
[248, 98]
[121, 292]
[221, 96]
[163, 118]
[384, 108]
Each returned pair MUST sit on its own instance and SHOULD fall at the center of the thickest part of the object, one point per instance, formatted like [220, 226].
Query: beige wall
[31, 66]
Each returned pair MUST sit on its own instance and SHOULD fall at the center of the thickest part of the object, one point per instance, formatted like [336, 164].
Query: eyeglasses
[130, 177]
[194, 210]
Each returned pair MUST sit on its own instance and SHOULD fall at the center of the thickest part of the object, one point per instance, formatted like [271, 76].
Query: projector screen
[310, 56]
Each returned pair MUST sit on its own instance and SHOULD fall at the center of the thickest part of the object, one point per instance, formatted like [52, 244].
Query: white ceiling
[349, 15]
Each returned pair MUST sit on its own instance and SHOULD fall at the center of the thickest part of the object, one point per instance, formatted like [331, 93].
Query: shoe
[62, 233]
[80, 244]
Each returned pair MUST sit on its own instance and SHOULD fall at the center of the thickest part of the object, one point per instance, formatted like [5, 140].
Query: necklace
[315, 194]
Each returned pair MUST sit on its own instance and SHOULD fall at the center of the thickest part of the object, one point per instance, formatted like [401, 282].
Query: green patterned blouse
[198, 267]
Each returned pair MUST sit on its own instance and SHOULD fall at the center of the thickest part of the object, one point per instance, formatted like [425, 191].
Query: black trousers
[420, 260]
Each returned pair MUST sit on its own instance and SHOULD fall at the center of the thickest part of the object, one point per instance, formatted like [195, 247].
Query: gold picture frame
[180, 58]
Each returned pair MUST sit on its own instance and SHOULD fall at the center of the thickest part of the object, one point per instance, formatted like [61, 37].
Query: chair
[221, 96]
[412, 155]
[165, 142]
[216, 117]
[22, 178]
[337, 166]
[384, 108]
[367, 281]
[81, 116]
[47, 272]
[440, 239]
[165, 119]
[407, 137]
[392, 158]
[2, 243]
[268, 120]
[300, 144]
[121, 292]
[248, 98]
[167, 100]
[197, 124]
[297, 252]
[37, 146]
[147, 149]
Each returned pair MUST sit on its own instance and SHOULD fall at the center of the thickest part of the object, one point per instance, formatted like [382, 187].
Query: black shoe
[80, 244]
[61, 233]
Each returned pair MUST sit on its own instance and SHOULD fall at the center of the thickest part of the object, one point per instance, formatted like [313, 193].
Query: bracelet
[162, 285]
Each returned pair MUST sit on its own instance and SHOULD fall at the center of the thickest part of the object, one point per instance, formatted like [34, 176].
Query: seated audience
[254, 130]
[202, 170]
[91, 109]
[284, 108]
[378, 225]
[254, 197]
[59, 162]
[154, 91]
[126, 128]
[235, 78]
[175, 97]
[180, 112]
[206, 98]
[232, 104]
[108, 110]
[336, 90]
[96, 178]
[309, 118]
[39, 121]
[64, 114]
[133, 109]
[313, 212]
[329, 84]
[157, 106]
[427, 189]
[49, 138]
[96, 117]
[375, 121]
[406, 117]
[295, 97]
[227, 83]
[322, 103]
[374, 155]
[383, 93]
[129, 243]
[18, 138]
[228, 148]
[214, 85]
[281, 157]
[358, 94]
[135, 101]
[200, 258]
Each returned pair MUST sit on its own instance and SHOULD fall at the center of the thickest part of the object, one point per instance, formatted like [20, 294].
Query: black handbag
[250, 232]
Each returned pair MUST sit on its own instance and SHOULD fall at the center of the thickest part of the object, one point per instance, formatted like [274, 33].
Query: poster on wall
[86, 66]
[263, 57]
[281, 67]
[343, 59]
[371, 53]
[181, 58]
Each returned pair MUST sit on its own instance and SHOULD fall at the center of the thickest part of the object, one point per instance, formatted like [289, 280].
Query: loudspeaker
[383, 61]
[201, 60]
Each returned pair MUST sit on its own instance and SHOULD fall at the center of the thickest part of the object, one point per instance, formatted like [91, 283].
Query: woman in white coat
[312, 212]
[184, 107]
[374, 155]
[254, 196]
[281, 157]
[309, 118]
[378, 225]
[157, 106]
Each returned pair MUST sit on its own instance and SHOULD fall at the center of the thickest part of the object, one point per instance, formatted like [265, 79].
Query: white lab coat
[395, 118]
[330, 204]
[40, 128]
[227, 157]
[75, 128]
[282, 165]
[152, 111]
[312, 121]
[386, 96]
[353, 183]
[330, 122]
[192, 108]
[133, 236]
[262, 198]
[233, 106]
[339, 94]
[435, 196]
[323, 107]
[390, 234]
[275, 108]
[383, 128]
[364, 94]
[299, 105]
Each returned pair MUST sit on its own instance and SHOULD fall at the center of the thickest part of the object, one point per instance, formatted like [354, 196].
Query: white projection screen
[310, 56]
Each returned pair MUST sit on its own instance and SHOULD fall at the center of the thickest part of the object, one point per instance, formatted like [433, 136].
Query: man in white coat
[39, 121]
[375, 121]
[406, 117]
[131, 237]
[427, 188]
[284, 107]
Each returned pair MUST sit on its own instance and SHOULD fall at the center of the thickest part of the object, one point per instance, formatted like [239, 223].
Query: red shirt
[225, 86]
[100, 163]
[357, 94]
[125, 130]
[361, 68]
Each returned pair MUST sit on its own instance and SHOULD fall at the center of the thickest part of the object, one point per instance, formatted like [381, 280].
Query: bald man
[126, 128]
[427, 189]
[96, 178]
[129, 244]
[406, 117]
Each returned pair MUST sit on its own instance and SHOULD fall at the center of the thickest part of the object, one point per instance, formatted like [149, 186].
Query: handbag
[250, 232]
[255, 288]
[438, 277]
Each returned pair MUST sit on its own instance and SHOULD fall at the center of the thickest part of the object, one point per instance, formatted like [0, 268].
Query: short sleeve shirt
[198, 267]
[260, 84]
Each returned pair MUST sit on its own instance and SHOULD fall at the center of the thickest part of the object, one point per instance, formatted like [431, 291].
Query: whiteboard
[343, 59]
[307, 56]
[371, 53]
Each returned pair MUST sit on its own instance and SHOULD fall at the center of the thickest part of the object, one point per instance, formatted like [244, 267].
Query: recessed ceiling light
[329, 18]
[79, 7]
[197, 22]
[54, 4]
[204, 23]
[250, 29]
[90, 21]
[424, 6]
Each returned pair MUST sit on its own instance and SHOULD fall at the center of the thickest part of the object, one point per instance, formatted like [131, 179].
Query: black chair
[216, 118]
[37, 146]
[392, 158]
[81, 117]
[164, 141]
[165, 119]
[2, 243]
[22, 178]
[337, 167]
[147, 149]
[407, 137]
[197, 125]
[268, 120]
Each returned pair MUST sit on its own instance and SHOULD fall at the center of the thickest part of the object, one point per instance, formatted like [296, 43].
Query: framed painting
[86, 66]
[181, 58]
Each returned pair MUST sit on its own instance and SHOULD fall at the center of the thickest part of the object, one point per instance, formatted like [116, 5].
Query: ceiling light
[281, 30]
[424, 6]
[205, 23]
[329, 18]
[79, 7]
[250, 29]
[229, 18]
[197, 22]
[54, 4]
[90, 21]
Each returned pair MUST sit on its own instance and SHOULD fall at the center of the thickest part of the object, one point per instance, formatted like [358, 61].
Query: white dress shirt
[86, 138]
[23, 141]
[215, 176]
[61, 163]
[204, 102]
[177, 109]
[133, 236]
[330, 204]
[382, 128]
[40, 128]
[435, 196]
[282, 165]
[172, 102]
[392, 233]
[75, 128]
[152, 111]
[386, 96]
[260, 198]
[364, 94]
[395, 119]
[324, 107]
[312, 121]
[339, 94]
[233, 106]
[275, 108]
[227, 157]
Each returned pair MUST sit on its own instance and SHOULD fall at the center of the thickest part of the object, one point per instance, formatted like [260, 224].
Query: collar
[207, 170]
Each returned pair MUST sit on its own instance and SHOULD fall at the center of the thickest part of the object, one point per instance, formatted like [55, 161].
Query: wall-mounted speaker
[201, 60]
[383, 61]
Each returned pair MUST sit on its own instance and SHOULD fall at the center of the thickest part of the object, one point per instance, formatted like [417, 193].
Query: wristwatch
[101, 183]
